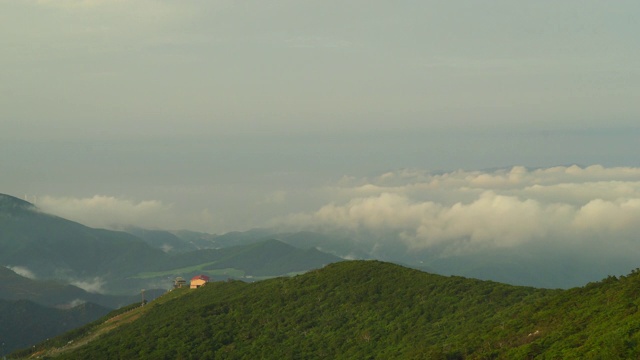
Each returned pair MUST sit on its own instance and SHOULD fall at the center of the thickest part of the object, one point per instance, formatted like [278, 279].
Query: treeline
[375, 310]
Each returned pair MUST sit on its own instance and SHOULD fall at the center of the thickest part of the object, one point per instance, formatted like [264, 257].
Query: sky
[497, 122]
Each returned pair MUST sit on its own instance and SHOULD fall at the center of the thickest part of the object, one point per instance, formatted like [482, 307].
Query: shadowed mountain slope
[54, 248]
[24, 323]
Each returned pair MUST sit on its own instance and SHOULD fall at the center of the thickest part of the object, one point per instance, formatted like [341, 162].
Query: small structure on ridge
[198, 281]
[179, 282]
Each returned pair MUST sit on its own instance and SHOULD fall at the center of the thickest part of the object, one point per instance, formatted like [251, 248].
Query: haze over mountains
[43, 246]
[549, 228]
[51, 261]
[48, 247]
[509, 224]
[260, 139]
[59, 269]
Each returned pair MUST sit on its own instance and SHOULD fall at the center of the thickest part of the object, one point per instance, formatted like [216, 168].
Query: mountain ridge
[9, 203]
[373, 309]
[55, 248]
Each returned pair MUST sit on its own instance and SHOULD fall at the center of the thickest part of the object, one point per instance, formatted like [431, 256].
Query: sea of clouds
[591, 208]
[465, 211]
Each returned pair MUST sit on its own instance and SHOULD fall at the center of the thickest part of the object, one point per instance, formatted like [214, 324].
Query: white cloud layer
[95, 285]
[23, 271]
[594, 208]
[106, 211]
[112, 212]
[465, 211]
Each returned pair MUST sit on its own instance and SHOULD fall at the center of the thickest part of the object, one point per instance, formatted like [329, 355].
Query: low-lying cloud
[95, 285]
[23, 271]
[593, 209]
[106, 211]
[465, 211]
[112, 212]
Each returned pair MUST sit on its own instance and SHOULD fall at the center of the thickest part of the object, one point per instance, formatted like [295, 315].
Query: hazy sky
[224, 115]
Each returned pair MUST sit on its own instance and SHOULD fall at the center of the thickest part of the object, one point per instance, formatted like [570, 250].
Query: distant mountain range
[176, 241]
[61, 274]
[535, 266]
[59, 295]
[47, 247]
[369, 310]
[52, 267]
[123, 261]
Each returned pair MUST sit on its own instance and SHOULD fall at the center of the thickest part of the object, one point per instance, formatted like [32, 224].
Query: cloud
[466, 211]
[95, 285]
[166, 248]
[76, 302]
[106, 211]
[592, 208]
[22, 271]
[112, 212]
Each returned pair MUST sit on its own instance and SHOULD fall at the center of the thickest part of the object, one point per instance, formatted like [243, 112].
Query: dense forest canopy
[371, 309]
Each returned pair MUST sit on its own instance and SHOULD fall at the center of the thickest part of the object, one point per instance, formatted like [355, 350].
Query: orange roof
[200, 277]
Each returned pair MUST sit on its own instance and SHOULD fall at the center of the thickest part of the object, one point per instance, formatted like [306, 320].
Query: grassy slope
[80, 336]
[345, 310]
[378, 310]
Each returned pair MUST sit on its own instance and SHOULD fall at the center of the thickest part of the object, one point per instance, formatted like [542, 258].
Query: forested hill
[370, 309]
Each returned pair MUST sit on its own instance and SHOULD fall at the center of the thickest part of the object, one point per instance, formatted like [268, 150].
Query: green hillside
[24, 323]
[375, 310]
